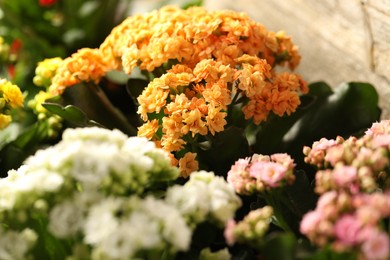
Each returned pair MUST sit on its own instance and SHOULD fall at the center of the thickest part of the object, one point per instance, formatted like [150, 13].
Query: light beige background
[340, 40]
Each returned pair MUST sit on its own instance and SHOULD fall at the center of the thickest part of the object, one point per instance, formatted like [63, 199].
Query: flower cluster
[261, 172]
[10, 98]
[356, 164]
[251, 229]
[86, 65]
[204, 197]
[97, 194]
[44, 73]
[200, 65]
[350, 223]
[354, 203]
[119, 228]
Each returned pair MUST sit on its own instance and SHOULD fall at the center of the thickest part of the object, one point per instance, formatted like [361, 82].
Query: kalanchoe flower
[86, 65]
[261, 172]
[15, 244]
[349, 223]
[356, 164]
[200, 64]
[85, 190]
[379, 128]
[134, 225]
[315, 155]
[205, 197]
[45, 71]
[354, 199]
[251, 229]
[10, 98]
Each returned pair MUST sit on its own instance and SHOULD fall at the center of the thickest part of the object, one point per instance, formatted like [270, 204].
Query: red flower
[47, 2]
[11, 71]
[16, 45]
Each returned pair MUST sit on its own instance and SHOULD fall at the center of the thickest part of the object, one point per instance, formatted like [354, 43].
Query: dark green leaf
[97, 107]
[279, 246]
[226, 147]
[135, 87]
[301, 194]
[69, 113]
[14, 153]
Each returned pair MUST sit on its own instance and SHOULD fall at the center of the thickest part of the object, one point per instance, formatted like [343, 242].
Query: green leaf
[135, 87]
[226, 147]
[94, 103]
[14, 153]
[279, 246]
[191, 3]
[69, 113]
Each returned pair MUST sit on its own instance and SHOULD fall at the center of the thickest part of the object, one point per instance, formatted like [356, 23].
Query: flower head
[261, 172]
[11, 97]
[87, 65]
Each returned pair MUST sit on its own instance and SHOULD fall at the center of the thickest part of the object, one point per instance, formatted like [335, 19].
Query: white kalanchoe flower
[205, 196]
[103, 212]
[84, 190]
[191, 201]
[65, 219]
[135, 225]
[16, 245]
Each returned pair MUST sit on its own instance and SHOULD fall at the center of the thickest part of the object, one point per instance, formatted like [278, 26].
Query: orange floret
[188, 164]
[149, 129]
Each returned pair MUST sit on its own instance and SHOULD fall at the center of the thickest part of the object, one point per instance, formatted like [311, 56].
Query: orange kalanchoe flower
[200, 65]
[87, 65]
[188, 164]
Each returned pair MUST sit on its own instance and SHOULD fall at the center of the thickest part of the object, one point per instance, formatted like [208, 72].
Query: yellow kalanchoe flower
[11, 94]
[10, 98]
[5, 120]
[45, 71]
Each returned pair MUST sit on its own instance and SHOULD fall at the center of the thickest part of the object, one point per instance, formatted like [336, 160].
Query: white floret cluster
[205, 197]
[93, 196]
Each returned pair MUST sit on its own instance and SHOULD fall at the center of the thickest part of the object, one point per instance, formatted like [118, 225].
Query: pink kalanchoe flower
[317, 153]
[381, 141]
[283, 159]
[334, 154]
[376, 244]
[346, 177]
[310, 222]
[270, 173]
[347, 230]
[379, 128]
[239, 177]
